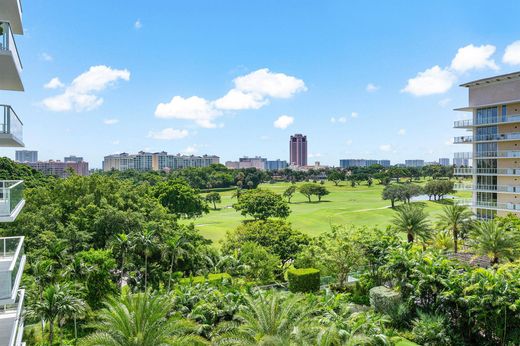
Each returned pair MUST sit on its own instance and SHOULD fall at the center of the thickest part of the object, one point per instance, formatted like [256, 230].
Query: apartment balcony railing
[12, 262]
[489, 205]
[497, 137]
[10, 63]
[11, 199]
[503, 119]
[463, 139]
[11, 128]
[487, 188]
[487, 171]
[11, 11]
[459, 124]
[12, 321]
[503, 154]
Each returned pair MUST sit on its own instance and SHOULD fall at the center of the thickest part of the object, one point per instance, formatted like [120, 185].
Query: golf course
[360, 205]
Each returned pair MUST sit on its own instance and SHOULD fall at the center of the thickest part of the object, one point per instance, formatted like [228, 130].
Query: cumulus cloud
[81, 94]
[354, 114]
[385, 147]
[137, 24]
[237, 100]
[46, 57]
[512, 54]
[110, 121]
[434, 80]
[283, 121]
[349, 141]
[372, 87]
[190, 150]
[54, 84]
[342, 120]
[168, 134]
[266, 83]
[193, 108]
[473, 57]
[401, 132]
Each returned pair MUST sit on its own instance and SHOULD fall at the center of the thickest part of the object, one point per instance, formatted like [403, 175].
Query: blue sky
[362, 79]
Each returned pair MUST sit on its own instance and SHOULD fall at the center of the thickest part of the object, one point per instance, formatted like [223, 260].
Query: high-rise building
[414, 163]
[276, 165]
[461, 159]
[349, 163]
[59, 168]
[26, 155]
[144, 161]
[444, 161]
[298, 150]
[11, 191]
[248, 162]
[495, 109]
[73, 158]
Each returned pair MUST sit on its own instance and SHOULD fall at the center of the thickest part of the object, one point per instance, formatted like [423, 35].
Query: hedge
[211, 278]
[384, 300]
[304, 280]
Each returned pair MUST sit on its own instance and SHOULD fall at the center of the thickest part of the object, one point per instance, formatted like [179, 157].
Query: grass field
[344, 205]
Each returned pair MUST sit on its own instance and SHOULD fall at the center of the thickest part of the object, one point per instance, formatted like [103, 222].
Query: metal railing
[487, 121]
[489, 205]
[7, 43]
[11, 122]
[488, 171]
[17, 329]
[498, 154]
[498, 137]
[463, 139]
[487, 188]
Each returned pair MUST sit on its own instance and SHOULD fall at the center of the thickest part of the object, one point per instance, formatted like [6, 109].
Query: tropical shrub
[385, 300]
[303, 280]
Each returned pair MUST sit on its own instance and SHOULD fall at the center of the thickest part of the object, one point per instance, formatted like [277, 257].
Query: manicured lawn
[345, 205]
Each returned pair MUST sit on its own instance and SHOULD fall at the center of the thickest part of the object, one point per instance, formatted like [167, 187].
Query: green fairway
[345, 205]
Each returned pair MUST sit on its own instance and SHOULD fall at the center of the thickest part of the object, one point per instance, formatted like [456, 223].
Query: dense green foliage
[303, 280]
[262, 204]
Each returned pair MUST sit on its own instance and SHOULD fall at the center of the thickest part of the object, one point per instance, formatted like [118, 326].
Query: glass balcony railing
[505, 154]
[489, 205]
[503, 119]
[487, 171]
[463, 123]
[11, 196]
[12, 321]
[463, 139]
[498, 137]
[12, 261]
[7, 43]
[11, 125]
[487, 188]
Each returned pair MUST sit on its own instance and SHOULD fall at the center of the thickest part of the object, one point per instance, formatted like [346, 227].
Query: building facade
[298, 150]
[11, 191]
[26, 155]
[73, 158]
[59, 168]
[276, 165]
[248, 162]
[414, 163]
[144, 161]
[349, 163]
[494, 137]
[444, 161]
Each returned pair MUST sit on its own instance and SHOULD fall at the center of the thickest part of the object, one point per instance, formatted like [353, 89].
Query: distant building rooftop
[494, 79]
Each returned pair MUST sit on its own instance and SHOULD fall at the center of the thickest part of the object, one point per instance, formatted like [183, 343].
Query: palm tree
[57, 304]
[145, 241]
[412, 220]
[488, 238]
[123, 244]
[455, 217]
[175, 248]
[141, 319]
[270, 319]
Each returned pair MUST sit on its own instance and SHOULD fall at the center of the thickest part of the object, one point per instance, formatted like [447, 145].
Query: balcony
[511, 207]
[503, 119]
[12, 322]
[501, 154]
[10, 64]
[487, 188]
[463, 140]
[487, 171]
[12, 262]
[11, 129]
[11, 199]
[11, 11]
[498, 137]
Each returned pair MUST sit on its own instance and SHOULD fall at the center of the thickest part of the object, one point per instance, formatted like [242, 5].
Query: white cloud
[372, 87]
[385, 147]
[80, 95]
[266, 83]
[314, 155]
[431, 81]
[54, 84]
[110, 121]
[354, 114]
[168, 134]
[444, 102]
[190, 150]
[349, 141]
[512, 54]
[116, 142]
[473, 57]
[46, 57]
[401, 132]
[333, 120]
[137, 24]
[342, 120]
[237, 100]
[192, 108]
[283, 121]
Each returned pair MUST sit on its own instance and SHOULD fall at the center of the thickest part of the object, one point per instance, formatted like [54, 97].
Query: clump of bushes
[304, 280]
[384, 300]
[211, 278]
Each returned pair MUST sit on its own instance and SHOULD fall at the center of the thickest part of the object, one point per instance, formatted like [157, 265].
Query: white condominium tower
[12, 258]
[494, 127]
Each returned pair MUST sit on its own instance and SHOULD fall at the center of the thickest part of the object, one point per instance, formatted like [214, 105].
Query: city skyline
[354, 93]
